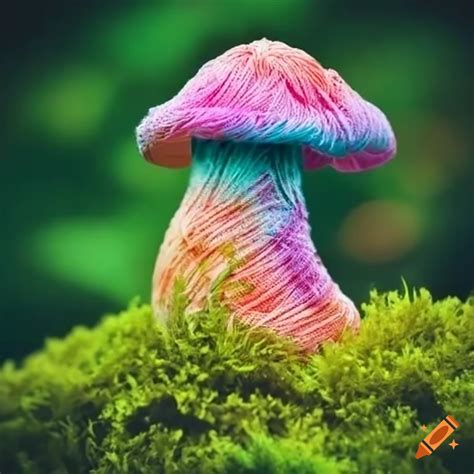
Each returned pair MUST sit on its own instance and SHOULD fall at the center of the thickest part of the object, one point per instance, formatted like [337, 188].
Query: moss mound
[131, 397]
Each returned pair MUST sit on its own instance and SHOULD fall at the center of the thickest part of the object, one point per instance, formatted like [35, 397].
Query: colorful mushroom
[249, 123]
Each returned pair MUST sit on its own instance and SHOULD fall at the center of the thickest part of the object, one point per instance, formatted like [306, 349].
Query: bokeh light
[84, 214]
[380, 231]
[70, 105]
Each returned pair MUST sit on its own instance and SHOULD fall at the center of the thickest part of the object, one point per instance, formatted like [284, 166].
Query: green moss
[129, 396]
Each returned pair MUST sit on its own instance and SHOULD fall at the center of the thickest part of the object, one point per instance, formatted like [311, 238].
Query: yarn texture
[268, 92]
[249, 122]
[243, 223]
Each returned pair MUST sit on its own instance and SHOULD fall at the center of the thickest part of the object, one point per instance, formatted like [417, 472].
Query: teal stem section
[239, 170]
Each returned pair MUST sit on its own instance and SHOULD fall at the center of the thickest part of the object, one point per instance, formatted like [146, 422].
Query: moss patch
[131, 397]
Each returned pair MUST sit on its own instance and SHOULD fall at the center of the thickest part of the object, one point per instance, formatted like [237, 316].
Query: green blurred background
[83, 214]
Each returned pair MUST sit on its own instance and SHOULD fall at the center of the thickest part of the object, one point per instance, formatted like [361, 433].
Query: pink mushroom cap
[269, 92]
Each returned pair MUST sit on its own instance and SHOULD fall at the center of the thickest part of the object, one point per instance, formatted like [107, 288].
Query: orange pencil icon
[437, 436]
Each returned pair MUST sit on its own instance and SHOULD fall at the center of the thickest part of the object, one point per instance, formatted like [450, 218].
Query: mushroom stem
[245, 208]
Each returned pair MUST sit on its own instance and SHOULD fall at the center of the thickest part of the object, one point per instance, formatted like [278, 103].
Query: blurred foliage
[84, 214]
[130, 396]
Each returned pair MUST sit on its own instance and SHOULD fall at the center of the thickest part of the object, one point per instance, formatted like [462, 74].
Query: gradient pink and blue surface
[249, 122]
[268, 92]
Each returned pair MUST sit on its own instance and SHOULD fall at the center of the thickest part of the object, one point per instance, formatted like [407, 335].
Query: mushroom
[249, 123]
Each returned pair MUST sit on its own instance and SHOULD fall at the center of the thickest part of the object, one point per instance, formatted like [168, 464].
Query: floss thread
[251, 120]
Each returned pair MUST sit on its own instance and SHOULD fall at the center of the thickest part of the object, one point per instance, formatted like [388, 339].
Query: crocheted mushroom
[248, 123]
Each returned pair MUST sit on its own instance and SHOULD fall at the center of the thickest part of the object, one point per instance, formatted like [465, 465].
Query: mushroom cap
[268, 92]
